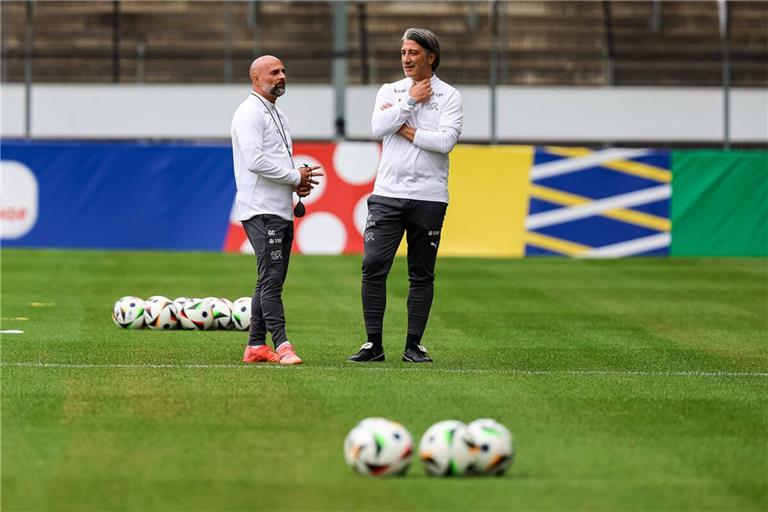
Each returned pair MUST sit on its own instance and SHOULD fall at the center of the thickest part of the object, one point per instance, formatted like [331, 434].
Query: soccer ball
[179, 303]
[378, 447]
[446, 449]
[222, 312]
[231, 308]
[160, 313]
[241, 314]
[495, 447]
[196, 314]
[128, 312]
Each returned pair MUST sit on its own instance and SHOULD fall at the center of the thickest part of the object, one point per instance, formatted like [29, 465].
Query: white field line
[429, 369]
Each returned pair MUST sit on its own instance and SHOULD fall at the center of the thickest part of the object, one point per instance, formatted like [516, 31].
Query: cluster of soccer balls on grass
[161, 313]
[380, 447]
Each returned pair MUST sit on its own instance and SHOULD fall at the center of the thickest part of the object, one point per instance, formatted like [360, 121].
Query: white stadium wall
[572, 114]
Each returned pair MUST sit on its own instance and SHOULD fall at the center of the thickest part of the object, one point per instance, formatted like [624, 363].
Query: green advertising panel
[719, 203]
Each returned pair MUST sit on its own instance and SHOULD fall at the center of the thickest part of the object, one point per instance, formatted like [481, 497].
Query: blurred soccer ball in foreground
[446, 449]
[241, 314]
[494, 446]
[128, 312]
[222, 312]
[196, 314]
[160, 313]
[378, 447]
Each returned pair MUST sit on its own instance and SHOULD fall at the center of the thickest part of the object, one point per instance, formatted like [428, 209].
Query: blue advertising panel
[116, 195]
[604, 203]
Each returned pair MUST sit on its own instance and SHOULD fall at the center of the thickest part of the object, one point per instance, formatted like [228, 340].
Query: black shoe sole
[409, 360]
[378, 359]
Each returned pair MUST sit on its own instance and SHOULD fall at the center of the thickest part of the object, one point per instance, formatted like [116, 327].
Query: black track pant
[388, 219]
[271, 237]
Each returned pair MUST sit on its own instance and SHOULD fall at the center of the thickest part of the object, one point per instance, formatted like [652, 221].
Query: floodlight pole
[340, 64]
[609, 62]
[656, 17]
[227, 43]
[362, 23]
[28, 55]
[254, 8]
[493, 80]
[725, 23]
[116, 29]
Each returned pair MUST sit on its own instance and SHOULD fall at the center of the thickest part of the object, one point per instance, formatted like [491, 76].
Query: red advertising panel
[336, 209]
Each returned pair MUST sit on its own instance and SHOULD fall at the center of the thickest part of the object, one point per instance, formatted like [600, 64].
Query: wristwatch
[410, 101]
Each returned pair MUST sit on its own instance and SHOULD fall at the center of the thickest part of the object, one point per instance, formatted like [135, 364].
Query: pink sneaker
[287, 355]
[260, 354]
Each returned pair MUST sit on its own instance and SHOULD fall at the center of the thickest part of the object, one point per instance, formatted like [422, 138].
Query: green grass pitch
[636, 384]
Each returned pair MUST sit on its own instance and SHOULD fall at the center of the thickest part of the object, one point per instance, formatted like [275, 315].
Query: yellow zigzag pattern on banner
[646, 171]
[564, 198]
[555, 244]
[634, 217]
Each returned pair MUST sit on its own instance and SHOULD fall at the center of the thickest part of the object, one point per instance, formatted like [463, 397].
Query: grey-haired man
[420, 119]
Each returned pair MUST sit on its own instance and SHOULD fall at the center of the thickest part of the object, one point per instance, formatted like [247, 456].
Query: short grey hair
[427, 40]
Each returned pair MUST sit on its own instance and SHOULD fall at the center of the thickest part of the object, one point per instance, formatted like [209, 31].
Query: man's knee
[271, 280]
[421, 275]
[375, 267]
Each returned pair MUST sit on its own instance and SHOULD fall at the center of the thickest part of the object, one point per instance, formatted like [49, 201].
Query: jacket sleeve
[386, 121]
[447, 134]
[250, 134]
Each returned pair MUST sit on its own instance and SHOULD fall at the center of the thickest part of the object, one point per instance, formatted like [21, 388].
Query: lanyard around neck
[279, 125]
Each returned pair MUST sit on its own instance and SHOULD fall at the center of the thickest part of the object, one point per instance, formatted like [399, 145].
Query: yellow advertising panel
[488, 201]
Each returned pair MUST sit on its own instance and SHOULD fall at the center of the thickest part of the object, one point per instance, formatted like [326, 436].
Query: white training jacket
[418, 169]
[264, 171]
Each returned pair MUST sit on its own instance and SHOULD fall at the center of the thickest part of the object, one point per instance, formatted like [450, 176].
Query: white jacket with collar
[418, 169]
[262, 153]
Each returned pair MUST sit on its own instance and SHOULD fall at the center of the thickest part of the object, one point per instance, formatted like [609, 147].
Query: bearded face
[268, 76]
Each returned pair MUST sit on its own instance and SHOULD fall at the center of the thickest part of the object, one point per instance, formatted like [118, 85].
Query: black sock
[412, 340]
[375, 338]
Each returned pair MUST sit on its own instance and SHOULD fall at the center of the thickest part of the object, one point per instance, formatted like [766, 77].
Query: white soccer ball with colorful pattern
[222, 312]
[128, 312]
[241, 314]
[160, 313]
[196, 314]
[446, 449]
[378, 447]
[495, 447]
[229, 308]
[179, 303]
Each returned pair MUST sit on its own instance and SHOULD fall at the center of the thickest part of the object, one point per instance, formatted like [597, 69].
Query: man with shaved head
[266, 178]
[419, 119]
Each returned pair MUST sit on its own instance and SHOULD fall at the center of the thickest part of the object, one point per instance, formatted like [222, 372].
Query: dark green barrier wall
[719, 203]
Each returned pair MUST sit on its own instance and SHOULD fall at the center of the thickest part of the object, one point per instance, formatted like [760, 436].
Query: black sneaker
[417, 354]
[368, 354]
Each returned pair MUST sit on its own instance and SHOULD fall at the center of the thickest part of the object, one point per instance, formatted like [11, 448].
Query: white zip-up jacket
[418, 169]
[264, 171]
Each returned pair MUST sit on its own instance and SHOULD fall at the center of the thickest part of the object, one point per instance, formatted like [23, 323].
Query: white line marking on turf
[511, 371]
[12, 331]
